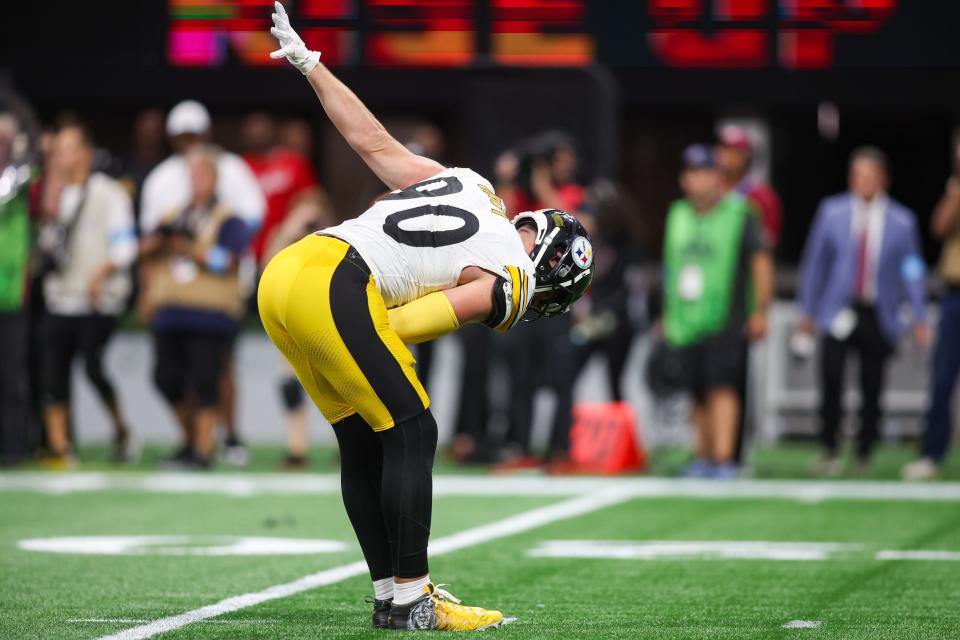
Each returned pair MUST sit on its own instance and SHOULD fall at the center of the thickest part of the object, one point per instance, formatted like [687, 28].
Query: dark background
[896, 87]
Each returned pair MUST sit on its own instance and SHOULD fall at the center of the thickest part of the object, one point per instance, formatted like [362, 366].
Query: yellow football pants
[321, 308]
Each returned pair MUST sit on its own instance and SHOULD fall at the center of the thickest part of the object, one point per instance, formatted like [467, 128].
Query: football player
[340, 304]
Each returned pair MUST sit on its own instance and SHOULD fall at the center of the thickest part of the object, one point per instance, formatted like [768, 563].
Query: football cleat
[381, 612]
[439, 610]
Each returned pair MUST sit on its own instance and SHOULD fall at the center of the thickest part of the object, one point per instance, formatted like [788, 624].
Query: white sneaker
[827, 466]
[920, 470]
[234, 453]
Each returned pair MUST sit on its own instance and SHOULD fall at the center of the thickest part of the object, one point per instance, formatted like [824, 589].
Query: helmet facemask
[562, 275]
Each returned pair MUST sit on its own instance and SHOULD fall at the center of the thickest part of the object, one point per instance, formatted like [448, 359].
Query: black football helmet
[562, 259]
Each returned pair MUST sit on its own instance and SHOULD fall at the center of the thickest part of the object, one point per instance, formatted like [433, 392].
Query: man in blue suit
[862, 262]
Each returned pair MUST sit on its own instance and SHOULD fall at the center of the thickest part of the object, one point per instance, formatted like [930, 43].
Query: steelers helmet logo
[582, 252]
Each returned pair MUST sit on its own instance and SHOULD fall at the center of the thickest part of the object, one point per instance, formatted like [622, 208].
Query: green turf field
[570, 558]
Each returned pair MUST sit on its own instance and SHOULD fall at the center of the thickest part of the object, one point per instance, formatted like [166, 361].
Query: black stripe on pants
[351, 315]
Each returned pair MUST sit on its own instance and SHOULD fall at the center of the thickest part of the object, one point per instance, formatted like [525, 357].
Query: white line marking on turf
[803, 624]
[182, 545]
[243, 485]
[938, 556]
[689, 549]
[134, 621]
[471, 537]
[110, 620]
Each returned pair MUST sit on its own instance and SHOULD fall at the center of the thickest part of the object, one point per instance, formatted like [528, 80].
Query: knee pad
[292, 393]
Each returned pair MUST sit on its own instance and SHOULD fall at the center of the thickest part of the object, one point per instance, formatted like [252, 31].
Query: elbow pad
[509, 300]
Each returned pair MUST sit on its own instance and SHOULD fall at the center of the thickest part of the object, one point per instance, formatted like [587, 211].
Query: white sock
[407, 592]
[383, 589]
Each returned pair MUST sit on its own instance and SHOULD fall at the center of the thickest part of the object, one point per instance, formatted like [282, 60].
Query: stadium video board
[726, 34]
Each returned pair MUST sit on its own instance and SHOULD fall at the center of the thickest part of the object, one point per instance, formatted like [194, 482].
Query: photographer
[87, 249]
[194, 303]
[540, 175]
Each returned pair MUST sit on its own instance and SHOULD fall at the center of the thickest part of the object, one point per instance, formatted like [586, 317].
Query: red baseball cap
[737, 138]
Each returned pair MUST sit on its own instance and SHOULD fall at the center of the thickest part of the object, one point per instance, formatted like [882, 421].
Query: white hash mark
[803, 624]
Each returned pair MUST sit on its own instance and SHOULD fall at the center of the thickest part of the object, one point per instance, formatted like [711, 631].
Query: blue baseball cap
[699, 156]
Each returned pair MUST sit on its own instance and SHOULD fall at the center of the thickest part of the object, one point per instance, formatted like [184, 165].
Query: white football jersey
[417, 240]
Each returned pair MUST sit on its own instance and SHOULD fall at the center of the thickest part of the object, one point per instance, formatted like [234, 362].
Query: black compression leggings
[387, 486]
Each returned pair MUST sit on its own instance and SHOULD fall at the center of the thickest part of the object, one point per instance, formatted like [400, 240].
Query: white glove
[291, 46]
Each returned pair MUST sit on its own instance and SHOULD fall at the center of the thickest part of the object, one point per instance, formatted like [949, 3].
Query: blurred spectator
[296, 134]
[605, 319]
[735, 157]
[147, 152]
[195, 301]
[862, 260]
[945, 227]
[540, 175]
[88, 246]
[310, 214]
[714, 259]
[284, 175]
[168, 188]
[16, 173]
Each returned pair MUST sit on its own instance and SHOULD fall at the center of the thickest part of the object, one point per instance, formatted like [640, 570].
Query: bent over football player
[435, 253]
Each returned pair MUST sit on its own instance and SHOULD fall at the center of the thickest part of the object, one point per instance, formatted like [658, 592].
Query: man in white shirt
[168, 185]
[167, 189]
[89, 246]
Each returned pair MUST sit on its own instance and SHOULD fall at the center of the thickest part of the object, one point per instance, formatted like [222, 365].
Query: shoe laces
[451, 603]
[443, 594]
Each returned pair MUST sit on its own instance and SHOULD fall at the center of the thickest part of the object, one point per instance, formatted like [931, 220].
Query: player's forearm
[761, 267]
[360, 128]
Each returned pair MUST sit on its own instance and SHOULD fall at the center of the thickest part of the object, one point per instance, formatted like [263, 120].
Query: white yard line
[921, 554]
[509, 526]
[135, 620]
[249, 484]
[691, 549]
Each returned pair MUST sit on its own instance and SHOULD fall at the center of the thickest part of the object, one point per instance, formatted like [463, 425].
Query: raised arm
[393, 163]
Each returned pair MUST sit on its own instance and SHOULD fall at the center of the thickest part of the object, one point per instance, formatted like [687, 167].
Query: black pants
[540, 355]
[65, 337]
[14, 388]
[873, 350]
[946, 369]
[473, 413]
[189, 365]
[387, 486]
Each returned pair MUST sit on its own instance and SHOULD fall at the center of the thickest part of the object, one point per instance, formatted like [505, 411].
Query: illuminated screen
[393, 33]
[747, 34]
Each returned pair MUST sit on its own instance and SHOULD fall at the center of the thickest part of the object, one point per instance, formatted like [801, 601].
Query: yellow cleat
[441, 611]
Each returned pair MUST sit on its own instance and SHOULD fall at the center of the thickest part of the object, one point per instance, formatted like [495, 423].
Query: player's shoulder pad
[470, 174]
[512, 292]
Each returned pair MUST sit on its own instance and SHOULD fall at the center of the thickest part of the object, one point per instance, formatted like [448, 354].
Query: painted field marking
[243, 485]
[937, 556]
[803, 624]
[690, 549]
[182, 545]
[508, 526]
[135, 620]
